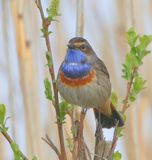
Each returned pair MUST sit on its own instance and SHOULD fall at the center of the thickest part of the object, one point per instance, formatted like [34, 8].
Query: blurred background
[23, 69]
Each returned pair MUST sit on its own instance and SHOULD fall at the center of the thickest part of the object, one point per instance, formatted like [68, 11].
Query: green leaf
[130, 63]
[49, 59]
[132, 97]
[114, 99]
[43, 30]
[123, 116]
[138, 45]
[53, 10]
[64, 106]
[119, 131]
[134, 59]
[16, 150]
[117, 156]
[2, 113]
[34, 158]
[138, 84]
[131, 37]
[74, 130]
[144, 41]
[70, 143]
[50, 32]
[48, 91]
[142, 51]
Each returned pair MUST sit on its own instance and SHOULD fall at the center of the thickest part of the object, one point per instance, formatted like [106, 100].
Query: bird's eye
[83, 47]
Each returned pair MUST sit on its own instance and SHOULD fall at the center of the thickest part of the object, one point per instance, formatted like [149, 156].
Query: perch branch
[46, 24]
[81, 148]
[79, 143]
[88, 151]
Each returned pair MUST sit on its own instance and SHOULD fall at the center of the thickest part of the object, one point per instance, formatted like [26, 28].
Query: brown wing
[101, 67]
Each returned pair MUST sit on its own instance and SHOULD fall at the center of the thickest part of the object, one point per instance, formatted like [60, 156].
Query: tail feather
[109, 121]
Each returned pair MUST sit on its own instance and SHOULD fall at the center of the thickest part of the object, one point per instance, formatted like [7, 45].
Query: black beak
[70, 46]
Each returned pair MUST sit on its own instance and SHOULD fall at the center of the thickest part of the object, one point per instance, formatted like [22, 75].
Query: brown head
[81, 44]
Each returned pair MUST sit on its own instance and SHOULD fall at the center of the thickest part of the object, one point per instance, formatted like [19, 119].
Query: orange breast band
[77, 81]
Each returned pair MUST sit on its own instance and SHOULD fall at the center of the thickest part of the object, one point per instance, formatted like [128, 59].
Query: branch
[9, 139]
[101, 145]
[51, 144]
[124, 108]
[129, 86]
[81, 146]
[88, 151]
[79, 143]
[46, 24]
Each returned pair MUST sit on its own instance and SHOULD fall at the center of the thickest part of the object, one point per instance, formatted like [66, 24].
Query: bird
[83, 80]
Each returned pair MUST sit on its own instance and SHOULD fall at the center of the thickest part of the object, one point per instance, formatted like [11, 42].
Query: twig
[114, 143]
[124, 108]
[80, 133]
[45, 24]
[80, 22]
[9, 139]
[88, 151]
[101, 145]
[129, 86]
[51, 144]
[79, 143]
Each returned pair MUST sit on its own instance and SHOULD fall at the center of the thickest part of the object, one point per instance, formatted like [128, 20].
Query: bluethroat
[83, 80]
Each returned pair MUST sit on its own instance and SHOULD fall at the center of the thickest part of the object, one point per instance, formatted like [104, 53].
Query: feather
[75, 64]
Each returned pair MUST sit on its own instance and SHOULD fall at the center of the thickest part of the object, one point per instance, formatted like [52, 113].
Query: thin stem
[81, 148]
[114, 142]
[88, 151]
[129, 87]
[79, 141]
[101, 145]
[9, 139]
[51, 144]
[45, 25]
[80, 21]
[124, 108]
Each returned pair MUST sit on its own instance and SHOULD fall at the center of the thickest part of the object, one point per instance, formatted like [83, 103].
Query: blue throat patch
[75, 64]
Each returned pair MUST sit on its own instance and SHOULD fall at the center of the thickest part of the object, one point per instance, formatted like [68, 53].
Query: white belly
[89, 96]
